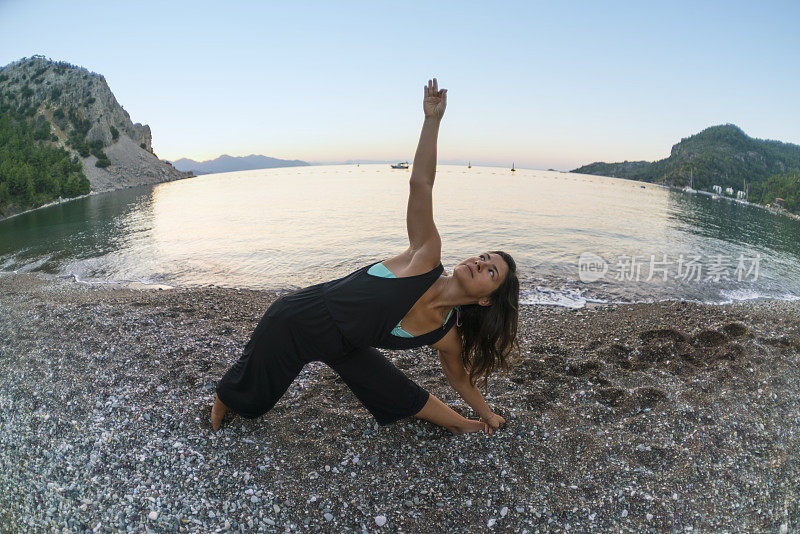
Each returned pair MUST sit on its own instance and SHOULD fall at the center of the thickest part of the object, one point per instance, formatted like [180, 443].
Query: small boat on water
[512, 167]
[401, 165]
[469, 164]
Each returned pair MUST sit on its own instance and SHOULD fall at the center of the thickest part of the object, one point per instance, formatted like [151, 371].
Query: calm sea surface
[291, 227]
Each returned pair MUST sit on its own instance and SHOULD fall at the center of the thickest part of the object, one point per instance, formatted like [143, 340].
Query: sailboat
[690, 188]
[469, 164]
[512, 167]
[743, 200]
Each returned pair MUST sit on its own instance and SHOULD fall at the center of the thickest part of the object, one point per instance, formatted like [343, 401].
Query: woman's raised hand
[435, 100]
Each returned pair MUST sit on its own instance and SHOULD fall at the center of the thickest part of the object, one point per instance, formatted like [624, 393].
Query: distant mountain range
[720, 155]
[226, 163]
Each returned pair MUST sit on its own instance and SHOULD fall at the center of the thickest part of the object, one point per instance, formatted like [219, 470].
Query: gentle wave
[538, 296]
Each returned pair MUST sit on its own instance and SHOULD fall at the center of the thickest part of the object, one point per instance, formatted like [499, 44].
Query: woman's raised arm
[422, 234]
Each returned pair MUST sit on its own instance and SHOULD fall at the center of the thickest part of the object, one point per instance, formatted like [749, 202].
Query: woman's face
[481, 274]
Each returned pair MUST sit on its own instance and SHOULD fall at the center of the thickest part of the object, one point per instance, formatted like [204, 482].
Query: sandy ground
[649, 417]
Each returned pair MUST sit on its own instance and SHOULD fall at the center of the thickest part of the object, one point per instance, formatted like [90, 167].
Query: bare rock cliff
[79, 103]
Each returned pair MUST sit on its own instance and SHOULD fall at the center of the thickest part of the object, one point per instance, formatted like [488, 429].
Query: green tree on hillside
[785, 186]
[32, 171]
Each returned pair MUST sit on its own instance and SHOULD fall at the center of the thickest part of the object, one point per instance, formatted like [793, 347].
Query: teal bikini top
[380, 269]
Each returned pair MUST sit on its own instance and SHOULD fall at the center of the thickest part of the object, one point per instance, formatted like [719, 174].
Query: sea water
[576, 238]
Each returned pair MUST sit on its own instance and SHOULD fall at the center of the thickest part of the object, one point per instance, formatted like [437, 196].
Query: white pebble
[625, 513]
[491, 522]
[380, 520]
[152, 516]
[504, 511]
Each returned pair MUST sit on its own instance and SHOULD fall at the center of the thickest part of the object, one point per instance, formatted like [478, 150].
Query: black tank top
[366, 308]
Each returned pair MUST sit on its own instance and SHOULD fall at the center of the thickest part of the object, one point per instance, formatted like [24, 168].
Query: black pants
[298, 329]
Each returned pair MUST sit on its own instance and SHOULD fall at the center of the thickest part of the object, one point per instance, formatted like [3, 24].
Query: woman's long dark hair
[489, 333]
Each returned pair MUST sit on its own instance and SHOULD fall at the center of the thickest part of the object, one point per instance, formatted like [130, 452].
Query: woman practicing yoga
[406, 301]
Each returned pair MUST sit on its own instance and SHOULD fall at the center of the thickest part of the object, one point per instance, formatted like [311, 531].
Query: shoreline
[65, 200]
[89, 194]
[53, 203]
[619, 417]
[154, 286]
[679, 189]
[774, 211]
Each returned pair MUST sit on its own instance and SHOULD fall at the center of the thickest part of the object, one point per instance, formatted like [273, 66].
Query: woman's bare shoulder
[412, 263]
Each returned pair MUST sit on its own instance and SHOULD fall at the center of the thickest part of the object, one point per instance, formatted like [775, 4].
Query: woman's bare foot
[469, 425]
[217, 413]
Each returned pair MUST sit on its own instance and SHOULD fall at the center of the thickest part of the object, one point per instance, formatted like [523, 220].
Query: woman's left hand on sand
[492, 422]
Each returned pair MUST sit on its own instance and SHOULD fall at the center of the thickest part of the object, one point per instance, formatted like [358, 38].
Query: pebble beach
[658, 417]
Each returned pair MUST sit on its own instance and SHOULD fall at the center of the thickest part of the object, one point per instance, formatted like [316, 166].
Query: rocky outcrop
[65, 94]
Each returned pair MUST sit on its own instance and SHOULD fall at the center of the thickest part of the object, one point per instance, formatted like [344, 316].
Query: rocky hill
[626, 169]
[226, 163]
[720, 155]
[85, 119]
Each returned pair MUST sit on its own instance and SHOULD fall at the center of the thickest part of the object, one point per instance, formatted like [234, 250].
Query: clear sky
[546, 84]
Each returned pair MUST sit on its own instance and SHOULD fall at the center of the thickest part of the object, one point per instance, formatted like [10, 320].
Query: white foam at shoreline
[93, 282]
[540, 296]
[574, 299]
